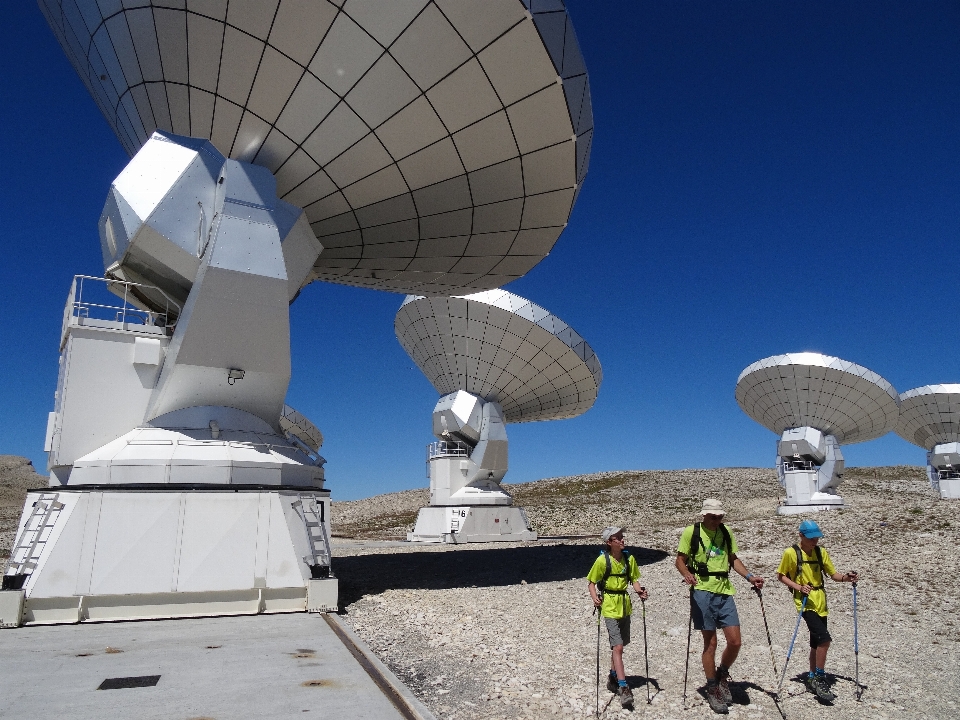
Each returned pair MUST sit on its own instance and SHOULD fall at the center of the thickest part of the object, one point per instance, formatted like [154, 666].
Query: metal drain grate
[129, 682]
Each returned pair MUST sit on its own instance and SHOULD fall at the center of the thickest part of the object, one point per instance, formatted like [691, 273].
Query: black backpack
[602, 585]
[701, 568]
[818, 562]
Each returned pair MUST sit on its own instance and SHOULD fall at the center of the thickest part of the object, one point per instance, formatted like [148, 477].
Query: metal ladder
[317, 539]
[35, 534]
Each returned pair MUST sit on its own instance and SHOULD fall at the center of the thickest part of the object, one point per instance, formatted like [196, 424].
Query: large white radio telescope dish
[436, 146]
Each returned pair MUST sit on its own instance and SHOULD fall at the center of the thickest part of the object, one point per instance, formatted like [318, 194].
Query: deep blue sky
[766, 177]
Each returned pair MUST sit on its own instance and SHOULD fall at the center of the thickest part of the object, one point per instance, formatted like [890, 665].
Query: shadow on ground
[488, 567]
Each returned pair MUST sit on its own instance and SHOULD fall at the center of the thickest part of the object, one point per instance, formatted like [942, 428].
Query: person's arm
[742, 571]
[593, 594]
[831, 571]
[797, 587]
[634, 571]
[681, 565]
[845, 577]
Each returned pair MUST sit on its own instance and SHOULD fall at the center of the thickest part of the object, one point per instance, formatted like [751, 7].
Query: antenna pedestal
[181, 484]
[465, 524]
[465, 467]
[943, 470]
[810, 467]
[803, 496]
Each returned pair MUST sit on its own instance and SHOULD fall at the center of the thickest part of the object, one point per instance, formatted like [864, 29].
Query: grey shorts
[619, 630]
[712, 610]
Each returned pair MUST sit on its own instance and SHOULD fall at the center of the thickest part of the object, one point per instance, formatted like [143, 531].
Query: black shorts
[817, 624]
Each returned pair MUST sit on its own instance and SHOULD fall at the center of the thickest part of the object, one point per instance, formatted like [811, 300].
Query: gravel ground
[505, 630]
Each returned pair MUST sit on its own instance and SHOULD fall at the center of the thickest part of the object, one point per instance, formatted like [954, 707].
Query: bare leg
[813, 659]
[730, 652]
[822, 654]
[616, 662]
[709, 657]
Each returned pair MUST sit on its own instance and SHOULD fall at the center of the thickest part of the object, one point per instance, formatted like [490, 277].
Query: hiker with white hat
[609, 577]
[706, 554]
[802, 569]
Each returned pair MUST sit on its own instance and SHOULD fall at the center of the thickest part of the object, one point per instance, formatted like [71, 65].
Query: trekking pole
[646, 660]
[776, 697]
[796, 629]
[595, 612]
[686, 665]
[769, 641]
[856, 645]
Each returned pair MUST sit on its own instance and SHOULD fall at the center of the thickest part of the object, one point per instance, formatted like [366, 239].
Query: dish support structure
[465, 467]
[181, 484]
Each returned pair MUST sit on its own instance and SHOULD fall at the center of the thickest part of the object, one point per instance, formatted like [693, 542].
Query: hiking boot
[612, 684]
[715, 699]
[626, 697]
[723, 682]
[819, 687]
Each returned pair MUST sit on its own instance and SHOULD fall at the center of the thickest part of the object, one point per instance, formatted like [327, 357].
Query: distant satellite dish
[815, 403]
[434, 145]
[930, 415]
[930, 418]
[495, 358]
[834, 396]
[501, 347]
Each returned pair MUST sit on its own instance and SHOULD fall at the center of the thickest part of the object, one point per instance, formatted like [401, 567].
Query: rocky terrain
[505, 630]
[17, 475]
[502, 631]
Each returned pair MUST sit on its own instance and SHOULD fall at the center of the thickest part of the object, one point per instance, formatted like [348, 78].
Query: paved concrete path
[263, 667]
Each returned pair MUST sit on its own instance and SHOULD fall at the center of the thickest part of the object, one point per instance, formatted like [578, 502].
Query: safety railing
[797, 465]
[446, 448]
[89, 300]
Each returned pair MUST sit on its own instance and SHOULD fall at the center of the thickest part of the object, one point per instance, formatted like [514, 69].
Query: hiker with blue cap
[802, 569]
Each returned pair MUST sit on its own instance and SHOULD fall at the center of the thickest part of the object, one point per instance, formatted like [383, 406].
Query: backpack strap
[608, 573]
[603, 581]
[700, 568]
[728, 544]
[818, 562]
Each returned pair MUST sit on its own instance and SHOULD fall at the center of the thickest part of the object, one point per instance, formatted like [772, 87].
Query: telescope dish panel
[930, 415]
[293, 423]
[436, 146]
[834, 396]
[501, 347]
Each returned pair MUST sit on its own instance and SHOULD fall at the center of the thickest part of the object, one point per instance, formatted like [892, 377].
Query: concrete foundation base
[950, 489]
[11, 608]
[465, 524]
[800, 509]
[109, 554]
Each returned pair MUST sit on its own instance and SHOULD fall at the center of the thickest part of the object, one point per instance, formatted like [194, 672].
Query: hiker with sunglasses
[802, 569]
[706, 554]
[609, 577]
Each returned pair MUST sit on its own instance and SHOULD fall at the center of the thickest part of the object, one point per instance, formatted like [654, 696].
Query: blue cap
[809, 529]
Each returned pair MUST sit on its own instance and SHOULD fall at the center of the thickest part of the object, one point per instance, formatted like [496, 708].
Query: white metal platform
[265, 667]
